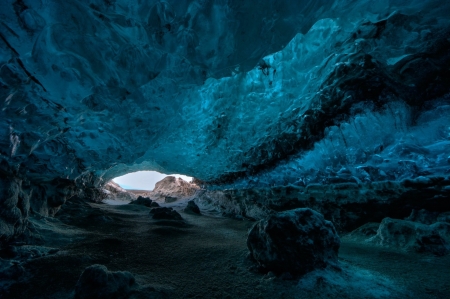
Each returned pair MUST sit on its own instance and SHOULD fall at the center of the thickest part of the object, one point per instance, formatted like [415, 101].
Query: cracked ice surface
[348, 90]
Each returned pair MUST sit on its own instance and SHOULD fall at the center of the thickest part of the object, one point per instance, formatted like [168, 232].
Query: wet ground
[205, 257]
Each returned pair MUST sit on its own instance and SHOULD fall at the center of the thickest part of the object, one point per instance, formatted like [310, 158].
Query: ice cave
[317, 133]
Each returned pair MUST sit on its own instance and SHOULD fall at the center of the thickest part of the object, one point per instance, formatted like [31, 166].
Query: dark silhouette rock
[296, 241]
[423, 216]
[169, 199]
[154, 204]
[10, 271]
[143, 201]
[192, 208]
[165, 214]
[96, 282]
[427, 217]
[364, 232]
[444, 217]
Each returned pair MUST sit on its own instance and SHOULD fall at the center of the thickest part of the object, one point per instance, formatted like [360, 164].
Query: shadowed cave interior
[317, 134]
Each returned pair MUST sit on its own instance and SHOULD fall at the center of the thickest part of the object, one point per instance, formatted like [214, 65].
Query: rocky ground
[204, 256]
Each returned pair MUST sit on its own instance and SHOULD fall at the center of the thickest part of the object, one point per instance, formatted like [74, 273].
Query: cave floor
[206, 258]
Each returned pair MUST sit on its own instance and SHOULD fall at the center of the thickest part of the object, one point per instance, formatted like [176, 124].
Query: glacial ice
[338, 106]
[268, 93]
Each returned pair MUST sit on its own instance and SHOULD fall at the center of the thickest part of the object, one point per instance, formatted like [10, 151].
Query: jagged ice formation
[235, 93]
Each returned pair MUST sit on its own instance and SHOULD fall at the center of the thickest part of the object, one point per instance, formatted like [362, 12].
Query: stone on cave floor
[143, 201]
[169, 199]
[96, 282]
[164, 213]
[296, 241]
[364, 232]
[192, 208]
[416, 236]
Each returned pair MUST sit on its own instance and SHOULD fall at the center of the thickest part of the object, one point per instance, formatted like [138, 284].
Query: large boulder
[192, 208]
[96, 282]
[144, 201]
[165, 214]
[416, 236]
[295, 241]
[423, 216]
[364, 232]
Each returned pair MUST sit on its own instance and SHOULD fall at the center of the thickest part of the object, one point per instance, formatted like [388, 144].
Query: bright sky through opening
[144, 180]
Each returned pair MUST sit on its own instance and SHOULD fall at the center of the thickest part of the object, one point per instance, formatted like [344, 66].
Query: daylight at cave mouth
[306, 145]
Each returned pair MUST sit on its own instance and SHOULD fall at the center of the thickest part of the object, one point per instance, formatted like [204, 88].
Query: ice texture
[296, 241]
[266, 92]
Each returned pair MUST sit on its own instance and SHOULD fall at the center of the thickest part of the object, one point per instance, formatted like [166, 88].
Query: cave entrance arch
[125, 188]
[144, 180]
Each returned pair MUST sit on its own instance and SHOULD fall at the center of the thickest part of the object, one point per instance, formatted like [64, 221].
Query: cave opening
[147, 184]
[144, 180]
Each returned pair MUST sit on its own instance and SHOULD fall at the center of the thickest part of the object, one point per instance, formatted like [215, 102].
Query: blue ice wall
[235, 92]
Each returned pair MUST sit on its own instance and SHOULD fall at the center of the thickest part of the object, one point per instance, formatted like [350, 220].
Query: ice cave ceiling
[265, 92]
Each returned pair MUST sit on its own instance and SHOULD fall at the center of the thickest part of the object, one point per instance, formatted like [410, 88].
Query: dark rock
[355, 206]
[96, 282]
[286, 276]
[433, 243]
[444, 217]
[364, 232]
[419, 182]
[270, 275]
[14, 208]
[9, 270]
[423, 216]
[192, 208]
[165, 213]
[143, 201]
[99, 216]
[154, 204]
[371, 173]
[169, 199]
[416, 236]
[296, 241]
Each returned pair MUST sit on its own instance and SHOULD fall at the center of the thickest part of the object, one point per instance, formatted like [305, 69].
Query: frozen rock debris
[192, 208]
[416, 236]
[296, 241]
[96, 282]
[238, 94]
[145, 201]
